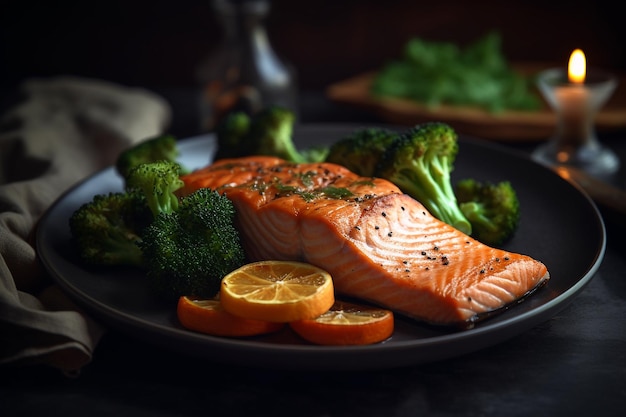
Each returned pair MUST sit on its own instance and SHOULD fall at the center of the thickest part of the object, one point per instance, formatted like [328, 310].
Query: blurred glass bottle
[244, 73]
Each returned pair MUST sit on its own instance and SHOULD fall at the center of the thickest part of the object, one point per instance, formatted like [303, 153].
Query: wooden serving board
[505, 126]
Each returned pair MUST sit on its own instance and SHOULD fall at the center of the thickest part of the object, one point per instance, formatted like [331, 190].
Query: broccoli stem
[432, 188]
[475, 212]
[427, 179]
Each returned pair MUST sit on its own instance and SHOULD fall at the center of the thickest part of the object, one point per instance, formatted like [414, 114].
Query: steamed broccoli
[163, 147]
[106, 230]
[184, 244]
[360, 151]
[271, 134]
[157, 181]
[492, 209]
[188, 251]
[231, 134]
[420, 162]
[267, 132]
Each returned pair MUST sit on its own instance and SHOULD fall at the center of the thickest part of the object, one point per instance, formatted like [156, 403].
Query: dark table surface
[572, 364]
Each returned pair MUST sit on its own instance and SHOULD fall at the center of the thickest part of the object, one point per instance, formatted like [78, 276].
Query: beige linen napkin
[66, 129]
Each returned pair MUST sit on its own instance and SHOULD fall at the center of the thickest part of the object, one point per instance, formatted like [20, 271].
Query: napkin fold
[65, 129]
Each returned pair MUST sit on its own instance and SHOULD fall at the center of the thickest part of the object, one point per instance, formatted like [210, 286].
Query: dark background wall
[160, 42]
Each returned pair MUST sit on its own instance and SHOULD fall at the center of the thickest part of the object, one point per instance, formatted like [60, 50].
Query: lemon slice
[277, 291]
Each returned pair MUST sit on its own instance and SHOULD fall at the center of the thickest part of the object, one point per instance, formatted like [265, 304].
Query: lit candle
[576, 117]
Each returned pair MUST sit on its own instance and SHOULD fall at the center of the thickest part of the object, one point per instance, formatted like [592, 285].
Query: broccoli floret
[158, 182]
[231, 134]
[361, 151]
[493, 209]
[271, 134]
[268, 132]
[420, 162]
[107, 229]
[159, 148]
[188, 251]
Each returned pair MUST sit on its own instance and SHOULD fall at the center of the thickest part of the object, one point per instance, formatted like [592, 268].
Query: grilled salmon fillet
[378, 244]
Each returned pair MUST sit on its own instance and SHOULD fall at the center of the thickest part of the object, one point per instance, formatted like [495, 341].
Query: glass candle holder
[574, 142]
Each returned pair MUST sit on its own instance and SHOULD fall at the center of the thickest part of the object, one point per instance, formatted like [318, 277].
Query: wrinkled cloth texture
[65, 129]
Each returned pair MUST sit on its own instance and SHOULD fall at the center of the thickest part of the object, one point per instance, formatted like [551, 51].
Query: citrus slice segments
[277, 291]
[347, 323]
[208, 316]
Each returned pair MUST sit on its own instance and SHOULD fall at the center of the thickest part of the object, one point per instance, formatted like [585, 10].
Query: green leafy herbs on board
[436, 73]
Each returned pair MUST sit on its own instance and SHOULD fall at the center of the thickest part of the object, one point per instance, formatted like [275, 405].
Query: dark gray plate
[559, 226]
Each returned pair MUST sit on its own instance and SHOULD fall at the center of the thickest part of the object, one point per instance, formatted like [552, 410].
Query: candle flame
[577, 67]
